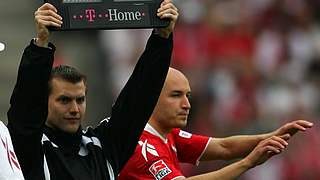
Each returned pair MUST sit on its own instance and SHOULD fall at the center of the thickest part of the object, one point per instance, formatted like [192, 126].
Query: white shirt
[9, 166]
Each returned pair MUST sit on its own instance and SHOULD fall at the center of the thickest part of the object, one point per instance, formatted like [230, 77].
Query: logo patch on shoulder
[159, 169]
[185, 134]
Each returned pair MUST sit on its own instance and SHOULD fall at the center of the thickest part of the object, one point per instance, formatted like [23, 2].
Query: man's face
[67, 105]
[173, 106]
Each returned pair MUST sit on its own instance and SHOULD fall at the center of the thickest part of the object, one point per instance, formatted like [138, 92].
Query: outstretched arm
[240, 146]
[261, 153]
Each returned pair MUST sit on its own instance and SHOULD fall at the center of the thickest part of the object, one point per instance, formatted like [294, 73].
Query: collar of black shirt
[69, 143]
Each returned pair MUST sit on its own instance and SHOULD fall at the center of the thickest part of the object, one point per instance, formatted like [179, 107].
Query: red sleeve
[190, 147]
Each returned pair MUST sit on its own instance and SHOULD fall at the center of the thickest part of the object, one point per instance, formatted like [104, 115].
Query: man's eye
[80, 100]
[64, 100]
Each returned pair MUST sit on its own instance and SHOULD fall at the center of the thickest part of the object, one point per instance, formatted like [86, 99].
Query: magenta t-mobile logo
[90, 14]
[110, 15]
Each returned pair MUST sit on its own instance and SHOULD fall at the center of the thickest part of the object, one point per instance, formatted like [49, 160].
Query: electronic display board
[108, 14]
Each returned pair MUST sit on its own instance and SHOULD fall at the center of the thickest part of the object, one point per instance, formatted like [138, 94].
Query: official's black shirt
[96, 153]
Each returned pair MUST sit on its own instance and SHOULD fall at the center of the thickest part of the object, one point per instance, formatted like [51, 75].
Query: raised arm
[28, 104]
[138, 98]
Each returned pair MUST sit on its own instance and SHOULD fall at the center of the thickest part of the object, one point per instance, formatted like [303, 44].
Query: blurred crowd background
[253, 65]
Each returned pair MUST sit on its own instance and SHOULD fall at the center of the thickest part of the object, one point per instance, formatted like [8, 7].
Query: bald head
[173, 105]
[175, 78]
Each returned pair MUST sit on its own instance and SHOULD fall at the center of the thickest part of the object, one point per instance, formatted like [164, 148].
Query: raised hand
[266, 149]
[167, 10]
[46, 16]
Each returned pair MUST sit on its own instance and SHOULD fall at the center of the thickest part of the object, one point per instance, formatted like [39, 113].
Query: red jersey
[157, 157]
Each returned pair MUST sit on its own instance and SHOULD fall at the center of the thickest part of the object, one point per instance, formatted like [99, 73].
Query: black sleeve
[28, 108]
[136, 102]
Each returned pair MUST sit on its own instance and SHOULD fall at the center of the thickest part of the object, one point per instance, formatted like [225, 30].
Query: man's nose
[74, 107]
[186, 103]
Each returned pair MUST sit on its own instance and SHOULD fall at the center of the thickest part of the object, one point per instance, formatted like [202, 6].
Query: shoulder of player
[179, 133]
[4, 130]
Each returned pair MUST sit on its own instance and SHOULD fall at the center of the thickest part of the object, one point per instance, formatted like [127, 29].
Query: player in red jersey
[163, 145]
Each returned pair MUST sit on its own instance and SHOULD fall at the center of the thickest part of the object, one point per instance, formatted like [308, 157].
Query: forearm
[232, 147]
[230, 172]
[242, 145]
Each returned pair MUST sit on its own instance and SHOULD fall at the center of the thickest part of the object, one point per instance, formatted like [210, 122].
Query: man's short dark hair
[67, 73]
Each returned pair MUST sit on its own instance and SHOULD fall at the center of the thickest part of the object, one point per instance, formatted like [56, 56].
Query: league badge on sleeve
[159, 169]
